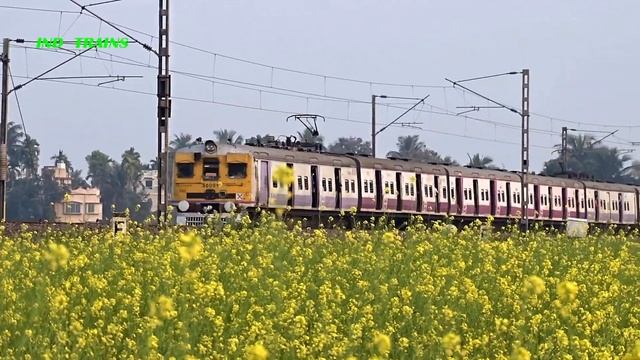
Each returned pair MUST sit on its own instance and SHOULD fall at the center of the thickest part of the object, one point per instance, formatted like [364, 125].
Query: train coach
[219, 178]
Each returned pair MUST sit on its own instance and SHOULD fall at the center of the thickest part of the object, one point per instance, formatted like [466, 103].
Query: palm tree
[225, 136]
[62, 157]
[99, 168]
[354, 145]
[480, 161]
[15, 136]
[181, 141]
[308, 137]
[30, 155]
[409, 147]
[132, 167]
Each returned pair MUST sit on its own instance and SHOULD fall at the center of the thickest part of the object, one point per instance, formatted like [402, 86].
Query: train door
[564, 203]
[290, 188]
[550, 205]
[338, 182]
[400, 189]
[263, 195]
[379, 191]
[315, 196]
[419, 193]
[458, 192]
[436, 186]
[476, 198]
[536, 197]
[620, 208]
[492, 196]
[509, 213]
[596, 196]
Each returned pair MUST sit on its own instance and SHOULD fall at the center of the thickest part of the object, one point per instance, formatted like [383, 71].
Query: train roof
[330, 159]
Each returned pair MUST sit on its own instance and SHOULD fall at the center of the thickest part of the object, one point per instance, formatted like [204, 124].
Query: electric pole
[373, 124]
[164, 108]
[3, 129]
[525, 148]
[563, 150]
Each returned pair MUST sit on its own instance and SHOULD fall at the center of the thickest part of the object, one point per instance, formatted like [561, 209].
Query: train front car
[211, 178]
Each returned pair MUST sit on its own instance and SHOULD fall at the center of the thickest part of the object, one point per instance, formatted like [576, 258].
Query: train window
[330, 183]
[453, 194]
[430, 191]
[393, 188]
[185, 170]
[406, 188]
[237, 171]
[353, 186]
[582, 203]
[299, 182]
[466, 197]
[371, 186]
[306, 183]
[386, 187]
[324, 184]
[366, 186]
[211, 168]
[346, 185]
[426, 190]
[412, 189]
[275, 183]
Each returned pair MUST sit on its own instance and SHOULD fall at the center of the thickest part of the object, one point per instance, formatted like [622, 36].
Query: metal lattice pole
[164, 108]
[525, 149]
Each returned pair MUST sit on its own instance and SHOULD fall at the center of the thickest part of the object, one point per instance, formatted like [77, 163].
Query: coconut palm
[354, 145]
[15, 136]
[181, 141]
[225, 136]
[308, 137]
[62, 157]
[30, 156]
[480, 161]
[132, 167]
[409, 147]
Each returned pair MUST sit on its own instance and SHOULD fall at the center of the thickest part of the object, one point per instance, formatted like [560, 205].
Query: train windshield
[238, 171]
[185, 170]
[211, 168]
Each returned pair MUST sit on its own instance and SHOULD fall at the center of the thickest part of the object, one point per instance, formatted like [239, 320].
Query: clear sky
[583, 57]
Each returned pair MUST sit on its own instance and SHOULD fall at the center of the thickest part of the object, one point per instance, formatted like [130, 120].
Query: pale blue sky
[582, 55]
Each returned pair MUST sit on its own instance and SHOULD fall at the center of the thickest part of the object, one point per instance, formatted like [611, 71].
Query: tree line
[31, 195]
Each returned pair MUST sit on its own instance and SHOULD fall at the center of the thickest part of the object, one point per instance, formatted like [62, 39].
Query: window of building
[237, 171]
[91, 208]
[72, 208]
[148, 183]
[211, 168]
[185, 170]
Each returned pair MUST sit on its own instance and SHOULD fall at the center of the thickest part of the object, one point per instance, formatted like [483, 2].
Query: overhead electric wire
[15, 93]
[280, 111]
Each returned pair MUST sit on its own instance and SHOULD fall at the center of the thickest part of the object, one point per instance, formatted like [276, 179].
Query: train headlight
[210, 146]
[183, 205]
[229, 206]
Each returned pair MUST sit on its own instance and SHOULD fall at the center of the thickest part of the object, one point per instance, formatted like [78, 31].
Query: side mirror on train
[210, 146]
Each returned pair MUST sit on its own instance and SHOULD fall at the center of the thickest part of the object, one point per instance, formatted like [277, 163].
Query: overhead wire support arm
[144, 45]
[456, 83]
[18, 87]
[401, 115]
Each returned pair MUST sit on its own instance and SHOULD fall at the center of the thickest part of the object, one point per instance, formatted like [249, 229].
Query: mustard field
[271, 290]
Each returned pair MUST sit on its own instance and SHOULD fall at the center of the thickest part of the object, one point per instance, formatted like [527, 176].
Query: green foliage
[354, 145]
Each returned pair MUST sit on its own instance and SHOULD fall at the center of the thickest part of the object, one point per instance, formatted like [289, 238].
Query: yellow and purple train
[210, 177]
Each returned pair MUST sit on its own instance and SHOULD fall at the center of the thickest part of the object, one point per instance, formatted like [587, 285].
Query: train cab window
[299, 182]
[211, 168]
[324, 184]
[237, 170]
[330, 184]
[185, 170]
[306, 183]
[353, 186]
